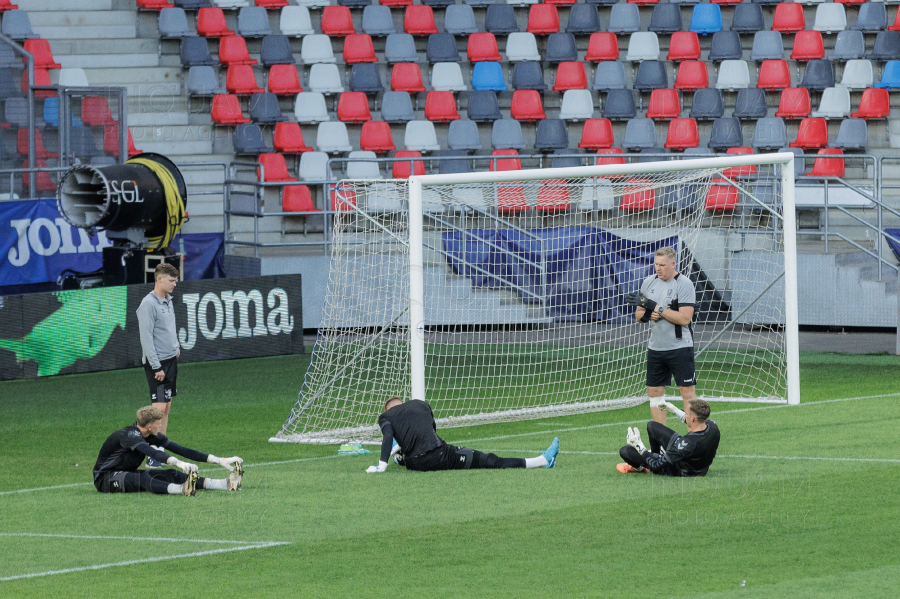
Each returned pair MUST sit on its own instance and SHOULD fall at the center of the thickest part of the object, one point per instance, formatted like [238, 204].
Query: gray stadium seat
[576, 105]
[858, 75]
[332, 137]
[361, 165]
[767, 45]
[642, 45]
[835, 104]
[830, 18]
[666, 19]
[887, 46]
[528, 75]
[460, 20]
[264, 108]
[483, 106]
[276, 49]
[750, 104]
[748, 18]
[366, 77]
[15, 111]
[852, 135]
[707, 104]
[316, 48]
[17, 25]
[202, 81]
[726, 45]
[325, 78]
[848, 45]
[420, 135]
[733, 75]
[609, 75]
[624, 18]
[500, 19]
[507, 134]
[195, 52]
[726, 133]
[314, 167]
[295, 21]
[651, 74]
[377, 21]
[770, 134]
[583, 19]
[818, 75]
[463, 135]
[400, 47]
[309, 107]
[639, 134]
[441, 47]
[253, 21]
[447, 76]
[561, 48]
[248, 139]
[396, 107]
[799, 161]
[872, 17]
[521, 45]
[172, 24]
[619, 105]
[449, 167]
[551, 134]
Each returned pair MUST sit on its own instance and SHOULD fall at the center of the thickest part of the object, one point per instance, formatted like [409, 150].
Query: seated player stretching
[116, 470]
[671, 454]
[412, 425]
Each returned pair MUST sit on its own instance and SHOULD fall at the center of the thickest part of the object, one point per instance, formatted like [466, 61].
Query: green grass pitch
[801, 502]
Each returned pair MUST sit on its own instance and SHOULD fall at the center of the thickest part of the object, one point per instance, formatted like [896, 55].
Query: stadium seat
[447, 76]
[172, 24]
[223, 4]
[748, 18]
[400, 47]
[553, 195]
[830, 18]
[488, 75]
[395, 3]
[750, 104]
[551, 134]
[40, 150]
[296, 198]
[789, 18]
[682, 134]
[511, 195]
[725, 45]
[42, 78]
[620, 105]
[233, 50]
[848, 45]
[15, 112]
[272, 4]
[774, 75]
[890, 76]
[528, 75]
[725, 133]
[295, 21]
[419, 20]
[706, 19]
[576, 105]
[624, 18]
[451, 167]
[887, 46]
[401, 168]
[651, 74]
[314, 167]
[247, 139]
[818, 75]
[264, 108]
[309, 107]
[276, 49]
[740, 171]
[808, 45]
[288, 138]
[316, 48]
[521, 45]
[376, 137]
[721, 198]
[459, 19]
[875, 104]
[733, 75]
[666, 19]
[896, 25]
[608, 156]
[483, 106]
[526, 105]
[376, 20]
[570, 75]
[406, 77]
[560, 47]
[482, 46]
[332, 137]
[597, 134]
[194, 51]
[639, 134]
[9, 59]
[438, 3]
[43, 55]
[253, 21]
[420, 136]
[284, 80]
[604, 46]
[274, 168]
[767, 45]
[642, 45]
[858, 75]
[664, 104]
[202, 81]
[794, 103]
[141, 5]
[366, 77]
[441, 47]
[500, 19]
[396, 107]
[683, 45]
[326, 79]
[506, 134]
[583, 19]
[463, 135]
[770, 134]
[543, 19]
[361, 165]
[692, 75]
[347, 3]
[835, 103]
[813, 133]
[852, 135]
[441, 106]
[43, 182]
[358, 48]
[639, 196]
[726, 2]
[95, 111]
[707, 104]
[241, 80]
[353, 107]
[828, 167]
[337, 21]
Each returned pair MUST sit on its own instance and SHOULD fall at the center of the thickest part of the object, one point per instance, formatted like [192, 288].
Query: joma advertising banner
[65, 332]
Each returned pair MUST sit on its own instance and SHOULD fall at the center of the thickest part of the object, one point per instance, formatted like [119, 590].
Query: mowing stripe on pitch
[115, 538]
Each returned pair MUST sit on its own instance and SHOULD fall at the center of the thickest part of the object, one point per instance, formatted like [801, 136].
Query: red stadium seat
[400, 170]
[720, 198]
[789, 18]
[896, 25]
[41, 77]
[111, 142]
[233, 50]
[284, 80]
[875, 104]
[683, 133]
[141, 4]
[561, 2]
[376, 137]
[828, 167]
[850, 2]
[95, 112]
[343, 198]
[740, 171]
[643, 2]
[483, 47]
[692, 75]
[794, 104]
[42, 179]
[358, 48]
[43, 56]
[607, 156]
[684, 45]
[635, 199]
[725, 2]
[296, 198]
[241, 80]
[272, 4]
[407, 77]
[337, 21]
[813, 133]
[597, 134]
[774, 74]
[353, 107]
[441, 106]
[543, 19]
[552, 196]
[274, 168]
[506, 164]
[211, 22]
[808, 45]
[511, 194]
[288, 139]
[526, 105]
[419, 20]
[602, 46]
[664, 105]
[395, 3]
[570, 75]
[40, 150]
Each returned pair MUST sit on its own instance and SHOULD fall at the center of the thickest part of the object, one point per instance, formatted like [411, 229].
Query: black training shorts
[170, 370]
[663, 365]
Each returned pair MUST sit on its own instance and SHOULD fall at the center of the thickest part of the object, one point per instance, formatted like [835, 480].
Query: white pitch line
[115, 538]
[43, 488]
[144, 561]
[721, 455]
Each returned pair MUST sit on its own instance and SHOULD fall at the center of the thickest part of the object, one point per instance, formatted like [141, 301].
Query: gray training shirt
[156, 320]
[662, 332]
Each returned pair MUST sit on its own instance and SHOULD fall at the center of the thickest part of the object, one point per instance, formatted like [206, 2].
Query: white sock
[538, 462]
[216, 484]
[175, 489]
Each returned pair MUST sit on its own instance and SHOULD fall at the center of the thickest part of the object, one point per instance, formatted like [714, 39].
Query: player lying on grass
[418, 446]
[671, 454]
[116, 470]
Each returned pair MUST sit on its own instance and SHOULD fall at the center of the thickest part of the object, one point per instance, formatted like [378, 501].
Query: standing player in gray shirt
[159, 343]
[667, 300]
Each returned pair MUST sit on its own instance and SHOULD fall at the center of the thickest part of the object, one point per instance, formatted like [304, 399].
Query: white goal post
[497, 296]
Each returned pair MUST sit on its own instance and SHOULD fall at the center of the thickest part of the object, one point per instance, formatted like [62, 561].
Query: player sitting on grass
[671, 454]
[412, 425]
[116, 470]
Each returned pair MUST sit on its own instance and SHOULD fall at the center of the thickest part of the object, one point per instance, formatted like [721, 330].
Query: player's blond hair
[387, 404]
[148, 415]
[666, 251]
[700, 409]
[165, 269]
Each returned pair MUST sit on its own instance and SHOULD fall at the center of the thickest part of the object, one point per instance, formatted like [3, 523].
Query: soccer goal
[499, 296]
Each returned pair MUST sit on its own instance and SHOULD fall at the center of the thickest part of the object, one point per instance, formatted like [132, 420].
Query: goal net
[500, 296]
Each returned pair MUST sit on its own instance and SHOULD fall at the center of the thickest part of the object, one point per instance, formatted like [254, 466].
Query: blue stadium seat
[619, 105]
[488, 76]
[442, 47]
[767, 45]
[452, 167]
[639, 134]
[651, 74]
[253, 21]
[725, 133]
[500, 19]
[558, 161]
[887, 46]
[849, 45]
[726, 45]
[483, 106]
[276, 49]
[624, 18]
[195, 52]
[706, 19]
[366, 77]
[707, 104]
[561, 48]
[264, 108]
[872, 17]
[377, 20]
[890, 78]
[400, 47]
[748, 18]
[528, 75]
[460, 20]
[819, 74]
[750, 104]
[248, 139]
[583, 19]
[666, 18]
